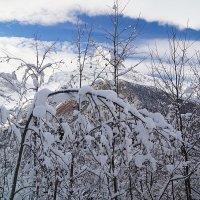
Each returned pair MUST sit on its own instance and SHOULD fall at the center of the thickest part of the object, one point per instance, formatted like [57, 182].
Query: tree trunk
[71, 183]
[14, 183]
[55, 189]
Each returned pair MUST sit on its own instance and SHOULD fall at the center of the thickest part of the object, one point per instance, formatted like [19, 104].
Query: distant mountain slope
[143, 96]
[9, 88]
[151, 98]
[137, 88]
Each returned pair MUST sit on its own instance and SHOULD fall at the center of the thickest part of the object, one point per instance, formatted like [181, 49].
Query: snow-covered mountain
[137, 88]
[9, 89]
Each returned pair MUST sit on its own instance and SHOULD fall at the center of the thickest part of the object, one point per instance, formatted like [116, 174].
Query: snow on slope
[9, 87]
[66, 78]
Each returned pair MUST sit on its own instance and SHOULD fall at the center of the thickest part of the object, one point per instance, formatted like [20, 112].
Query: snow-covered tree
[171, 73]
[106, 150]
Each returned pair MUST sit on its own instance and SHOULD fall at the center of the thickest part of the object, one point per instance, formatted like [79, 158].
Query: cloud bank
[47, 12]
[24, 48]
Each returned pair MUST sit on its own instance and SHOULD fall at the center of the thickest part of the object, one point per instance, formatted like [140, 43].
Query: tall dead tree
[170, 73]
[36, 73]
[121, 40]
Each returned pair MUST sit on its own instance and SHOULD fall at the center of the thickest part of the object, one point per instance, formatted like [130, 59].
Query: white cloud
[176, 12]
[163, 48]
[23, 48]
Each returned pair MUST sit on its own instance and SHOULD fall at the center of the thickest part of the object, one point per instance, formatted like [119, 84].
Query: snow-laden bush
[107, 149]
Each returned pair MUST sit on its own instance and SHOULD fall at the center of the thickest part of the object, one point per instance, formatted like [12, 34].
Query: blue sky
[67, 31]
[56, 21]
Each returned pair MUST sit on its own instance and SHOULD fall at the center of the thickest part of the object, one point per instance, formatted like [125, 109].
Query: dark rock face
[9, 87]
[141, 96]
[147, 97]
[151, 98]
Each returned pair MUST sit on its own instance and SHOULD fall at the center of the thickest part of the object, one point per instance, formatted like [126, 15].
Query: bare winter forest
[107, 132]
